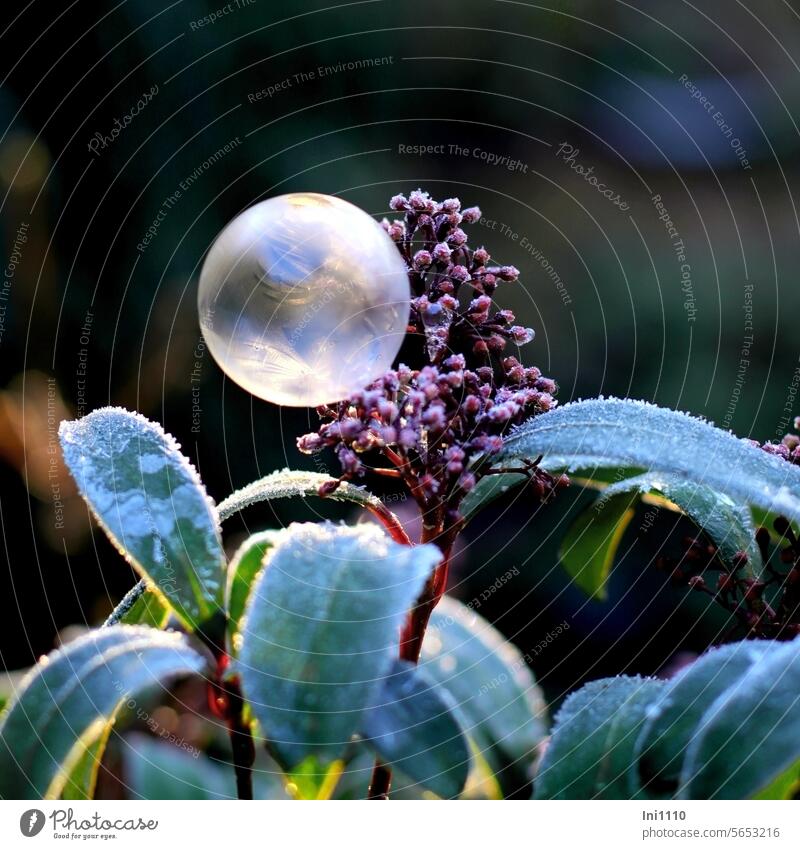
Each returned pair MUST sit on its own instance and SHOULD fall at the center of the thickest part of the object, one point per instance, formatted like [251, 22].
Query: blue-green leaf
[616, 433]
[292, 484]
[412, 726]
[81, 781]
[675, 715]
[242, 570]
[151, 503]
[67, 701]
[750, 736]
[157, 770]
[590, 546]
[319, 633]
[497, 701]
[591, 748]
[141, 605]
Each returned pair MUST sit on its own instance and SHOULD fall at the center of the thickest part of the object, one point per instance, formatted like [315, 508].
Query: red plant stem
[413, 632]
[242, 747]
[390, 522]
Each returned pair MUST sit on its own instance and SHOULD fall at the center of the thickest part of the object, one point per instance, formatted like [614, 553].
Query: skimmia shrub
[330, 654]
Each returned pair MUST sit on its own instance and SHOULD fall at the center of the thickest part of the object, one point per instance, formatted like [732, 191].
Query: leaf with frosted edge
[412, 726]
[244, 566]
[82, 779]
[157, 771]
[283, 484]
[66, 702]
[611, 433]
[750, 736]
[497, 700]
[290, 484]
[594, 733]
[141, 605]
[727, 523]
[319, 633]
[590, 546]
[151, 503]
[153, 769]
[674, 717]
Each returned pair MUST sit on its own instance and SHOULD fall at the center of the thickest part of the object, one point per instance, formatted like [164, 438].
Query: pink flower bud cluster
[441, 425]
[440, 263]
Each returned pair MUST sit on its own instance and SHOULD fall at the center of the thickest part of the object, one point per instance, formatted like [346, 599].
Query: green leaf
[290, 484]
[750, 736]
[785, 786]
[320, 629]
[412, 727]
[613, 433]
[151, 503]
[154, 770]
[66, 702]
[498, 703]
[591, 544]
[243, 568]
[728, 524]
[157, 770]
[674, 717]
[591, 748]
[81, 781]
[141, 605]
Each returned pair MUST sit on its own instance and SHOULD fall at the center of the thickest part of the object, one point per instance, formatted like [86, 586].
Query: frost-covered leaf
[243, 568]
[151, 503]
[158, 770]
[750, 736]
[497, 701]
[412, 726]
[590, 546]
[319, 633]
[291, 484]
[66, 702]
[82, 779]
[614, 433]
[141, 605]
[673, 719]
[153, 770]
[590, 751]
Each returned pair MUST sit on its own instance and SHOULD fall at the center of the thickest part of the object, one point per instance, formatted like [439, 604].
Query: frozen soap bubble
[303, 300]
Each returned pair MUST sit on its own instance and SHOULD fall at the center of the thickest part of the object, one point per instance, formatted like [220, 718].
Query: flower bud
[471, 405]
[407, 438]
[458, 237]
[397, 231]
[467, 482]
[328, 488]
[421, 201]
[422, 259]
[480, 256]
[508, 273]
[522, 335]
[459, 274]
[471, 215]
[310, 443]
[441, 253]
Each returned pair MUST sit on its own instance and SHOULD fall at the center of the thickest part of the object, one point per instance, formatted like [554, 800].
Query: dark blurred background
[647, 283]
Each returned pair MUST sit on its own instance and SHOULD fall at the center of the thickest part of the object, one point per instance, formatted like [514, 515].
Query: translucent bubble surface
[303, 299]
